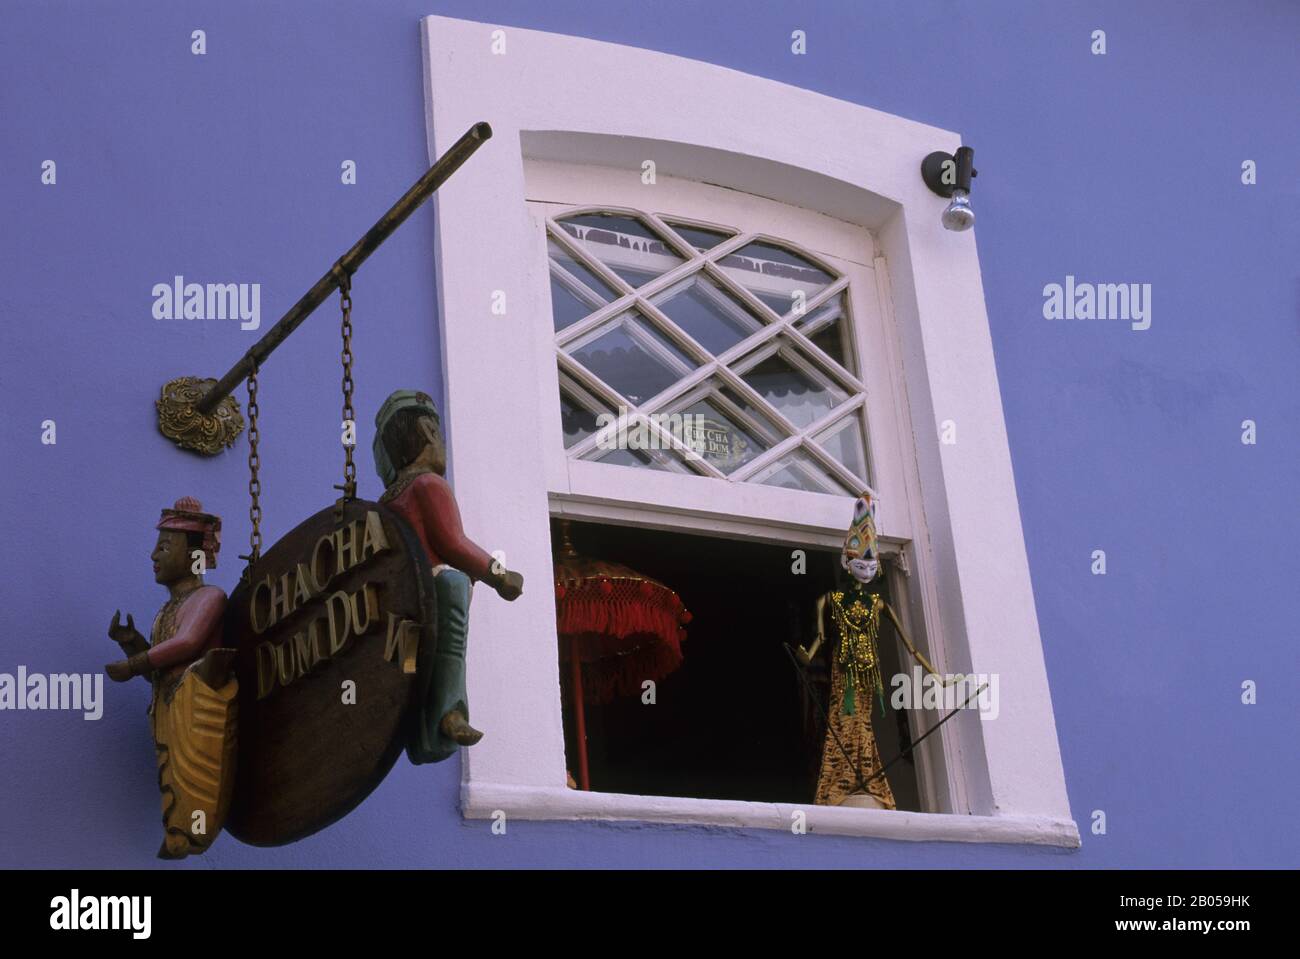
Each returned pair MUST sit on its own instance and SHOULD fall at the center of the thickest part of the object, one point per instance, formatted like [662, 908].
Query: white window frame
[705, 123]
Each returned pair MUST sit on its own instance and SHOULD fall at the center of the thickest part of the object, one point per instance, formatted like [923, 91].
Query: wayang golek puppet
[193, 710]
[411, 459]
[851, 770]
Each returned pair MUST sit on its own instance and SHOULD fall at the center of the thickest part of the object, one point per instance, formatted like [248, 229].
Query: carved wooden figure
[194, 706]
[411, 459]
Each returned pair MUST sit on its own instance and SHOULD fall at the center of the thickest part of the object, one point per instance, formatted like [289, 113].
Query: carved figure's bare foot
[455, 727]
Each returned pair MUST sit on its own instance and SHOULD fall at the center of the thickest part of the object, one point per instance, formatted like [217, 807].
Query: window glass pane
[718, 437]
[594, 283]
[798, 470]
[566, 307]
[828, 327]
[711, 315]
[633, 357]
[577, 294]
[833, 341]
[624, 244]
[759, 418]
[699, 237]
[845, 441]
[577, 421]
[775, 275]
[800, 398]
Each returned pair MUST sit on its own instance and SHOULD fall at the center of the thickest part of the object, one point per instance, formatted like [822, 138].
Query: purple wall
[1116, 168]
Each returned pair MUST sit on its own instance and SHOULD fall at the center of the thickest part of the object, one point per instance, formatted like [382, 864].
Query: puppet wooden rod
[202, 415]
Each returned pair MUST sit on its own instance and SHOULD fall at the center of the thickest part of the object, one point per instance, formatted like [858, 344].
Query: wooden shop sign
[326, 627]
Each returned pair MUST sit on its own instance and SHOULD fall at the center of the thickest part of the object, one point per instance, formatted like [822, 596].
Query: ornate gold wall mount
[181, 422]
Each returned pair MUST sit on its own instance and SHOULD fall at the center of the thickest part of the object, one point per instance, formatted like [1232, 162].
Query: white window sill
[484, 800]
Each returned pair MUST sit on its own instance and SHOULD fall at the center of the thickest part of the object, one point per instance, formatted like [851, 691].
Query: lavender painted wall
[1116, 168]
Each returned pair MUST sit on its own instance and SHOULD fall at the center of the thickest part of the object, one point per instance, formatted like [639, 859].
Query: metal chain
[349, 486]
[254, 484]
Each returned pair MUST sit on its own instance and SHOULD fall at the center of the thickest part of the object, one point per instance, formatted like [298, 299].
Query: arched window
[682, 240]
[723, 353]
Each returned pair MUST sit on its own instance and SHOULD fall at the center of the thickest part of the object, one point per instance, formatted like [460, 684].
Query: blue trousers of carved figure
[440, 672]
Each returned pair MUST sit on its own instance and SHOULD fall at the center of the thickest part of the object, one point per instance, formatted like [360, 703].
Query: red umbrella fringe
[617, 677]
[627, 631]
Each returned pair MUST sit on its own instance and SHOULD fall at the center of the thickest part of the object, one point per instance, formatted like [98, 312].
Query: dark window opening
[734, 720]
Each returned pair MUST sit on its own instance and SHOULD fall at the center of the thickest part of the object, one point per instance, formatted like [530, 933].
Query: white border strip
[486, 800]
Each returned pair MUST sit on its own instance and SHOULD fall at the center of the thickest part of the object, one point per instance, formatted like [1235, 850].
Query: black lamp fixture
[949, 176]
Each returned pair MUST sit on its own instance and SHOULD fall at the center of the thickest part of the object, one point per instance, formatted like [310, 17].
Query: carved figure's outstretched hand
[128, 637]
[509, 585]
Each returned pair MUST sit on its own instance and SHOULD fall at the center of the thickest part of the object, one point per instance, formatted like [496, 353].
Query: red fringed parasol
[617, 629]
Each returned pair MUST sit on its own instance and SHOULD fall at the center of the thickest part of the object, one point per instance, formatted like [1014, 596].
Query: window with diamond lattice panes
[734, 354]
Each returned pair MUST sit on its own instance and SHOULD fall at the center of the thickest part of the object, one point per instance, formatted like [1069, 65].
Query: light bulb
[959, 216]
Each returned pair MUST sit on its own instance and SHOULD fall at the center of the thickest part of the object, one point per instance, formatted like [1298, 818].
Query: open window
[733, 719]
[669, 245]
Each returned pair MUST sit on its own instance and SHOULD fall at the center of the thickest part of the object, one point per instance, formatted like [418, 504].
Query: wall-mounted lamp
[949, 175]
